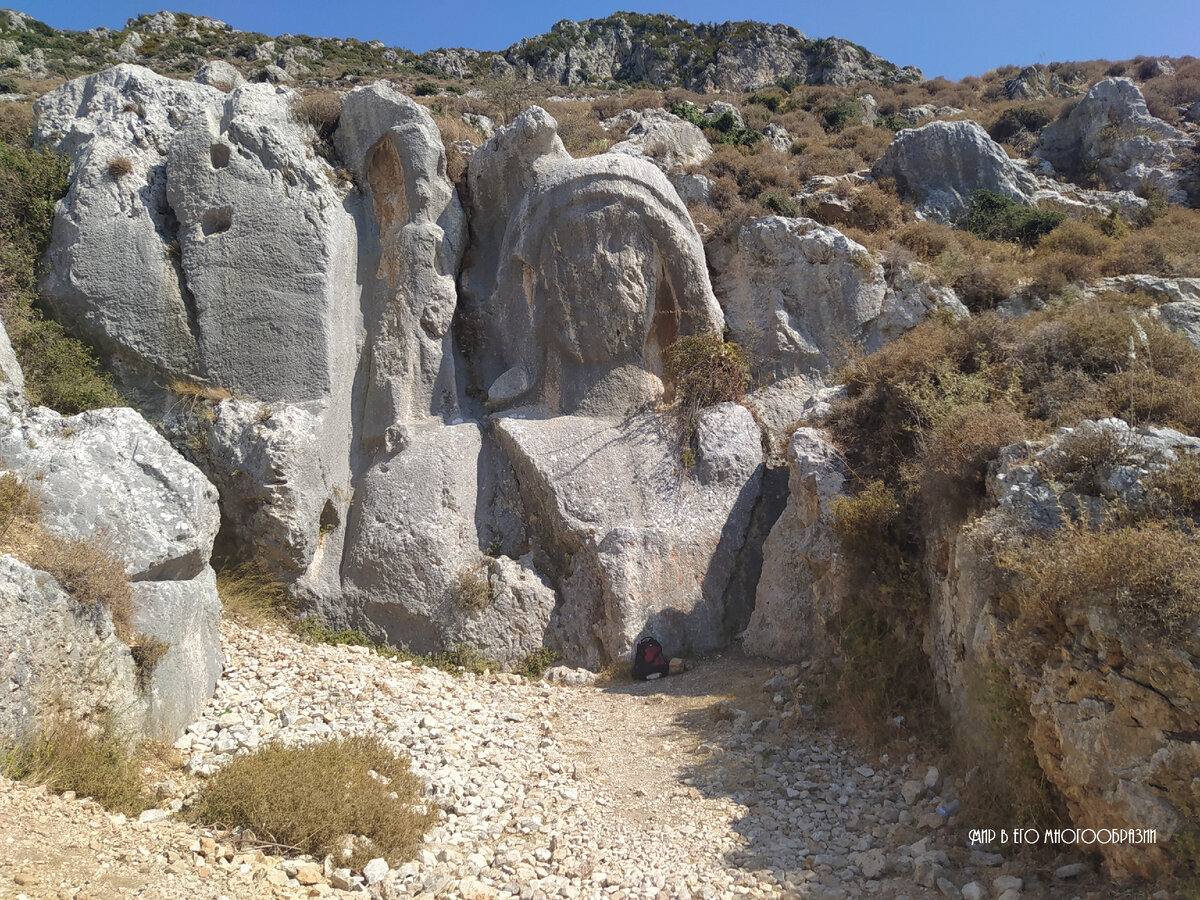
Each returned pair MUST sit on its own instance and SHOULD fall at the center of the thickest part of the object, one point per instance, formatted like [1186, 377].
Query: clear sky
[943, 37]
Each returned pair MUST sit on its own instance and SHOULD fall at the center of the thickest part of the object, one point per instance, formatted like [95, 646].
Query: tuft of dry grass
[320, 109]
[473, 589]
[250, 596]
[1147, 574]
[91, 760]
[118, 167]
[307, 797]
[90, 573]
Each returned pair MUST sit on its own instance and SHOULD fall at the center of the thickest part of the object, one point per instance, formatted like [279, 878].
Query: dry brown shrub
[1054, 272]
[866, 142]
[952, 461]
[322, 110]
[17, 505]
[983, 283]
[251, 596]
[118, 167]
[580, 130]
[309, 797]
[93, 761]
[877, 207]
[1147, 575]
[928, 240]
[91, 574]
[1074, 236]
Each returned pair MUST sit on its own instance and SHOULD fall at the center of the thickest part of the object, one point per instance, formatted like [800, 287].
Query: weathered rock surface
[107, 476]
[803, 580]
[1114, 706]
[413, 241]
[796, 292]
[580, 271]
[56, 653]
[635, 544]
[108, 473]
[119, 285]
[658, 135]
[939, 165]
[1034, 82]
[1112, 132]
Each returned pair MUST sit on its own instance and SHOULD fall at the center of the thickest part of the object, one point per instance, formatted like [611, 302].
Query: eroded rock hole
[220, 155]
[329, 518]
[216, 220]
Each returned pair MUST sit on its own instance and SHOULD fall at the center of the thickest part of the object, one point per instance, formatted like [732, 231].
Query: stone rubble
[658, 790]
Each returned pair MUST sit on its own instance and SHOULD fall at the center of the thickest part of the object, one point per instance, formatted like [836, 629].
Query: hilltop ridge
[624, 48]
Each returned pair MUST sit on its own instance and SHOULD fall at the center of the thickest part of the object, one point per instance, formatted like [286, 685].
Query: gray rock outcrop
[107, 476]
[664, 138]
[796, 292]
[1113, 707]
[939, 165]
[737, 56]
[635, 544]
[1035, 82]
[803, 582]
[1112, 132]
[54, 649]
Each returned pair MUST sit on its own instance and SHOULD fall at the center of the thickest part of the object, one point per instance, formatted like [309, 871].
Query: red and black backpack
[649, 659]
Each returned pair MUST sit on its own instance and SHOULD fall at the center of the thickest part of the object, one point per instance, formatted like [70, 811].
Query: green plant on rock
[535, 664]
[704, 370]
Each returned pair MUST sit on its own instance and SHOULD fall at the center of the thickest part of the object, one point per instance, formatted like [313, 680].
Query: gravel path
[712, 783]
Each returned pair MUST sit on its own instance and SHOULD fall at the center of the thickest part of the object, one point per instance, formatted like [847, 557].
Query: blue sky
[942, 37]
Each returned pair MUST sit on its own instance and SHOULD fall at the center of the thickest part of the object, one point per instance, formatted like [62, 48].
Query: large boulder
[59, 657]
[1035, 82]
[939, 165]
[580, 273]
[796, 294]
[803, 582]
[634, 543]
[1111, 132]
[411, 243]
[108, 477]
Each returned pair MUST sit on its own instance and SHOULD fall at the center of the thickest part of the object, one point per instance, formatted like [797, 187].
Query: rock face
[52, 647]
[106, 475]
[1114, 709]
[667, 140]
[732, 56]
[1034, 82]
[1112, 132]
[795, 292]
[939, 165]
[583, 270]
[803, 579]
[356, 457]
[636, 545]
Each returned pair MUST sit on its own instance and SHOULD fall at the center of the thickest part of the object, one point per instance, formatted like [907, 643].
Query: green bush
[841, 114]
[995, 217]
[308, 797]
[535, 664]
[60, 372]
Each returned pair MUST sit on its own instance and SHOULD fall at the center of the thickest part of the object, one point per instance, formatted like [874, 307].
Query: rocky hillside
[623, 49]
[661, 50]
